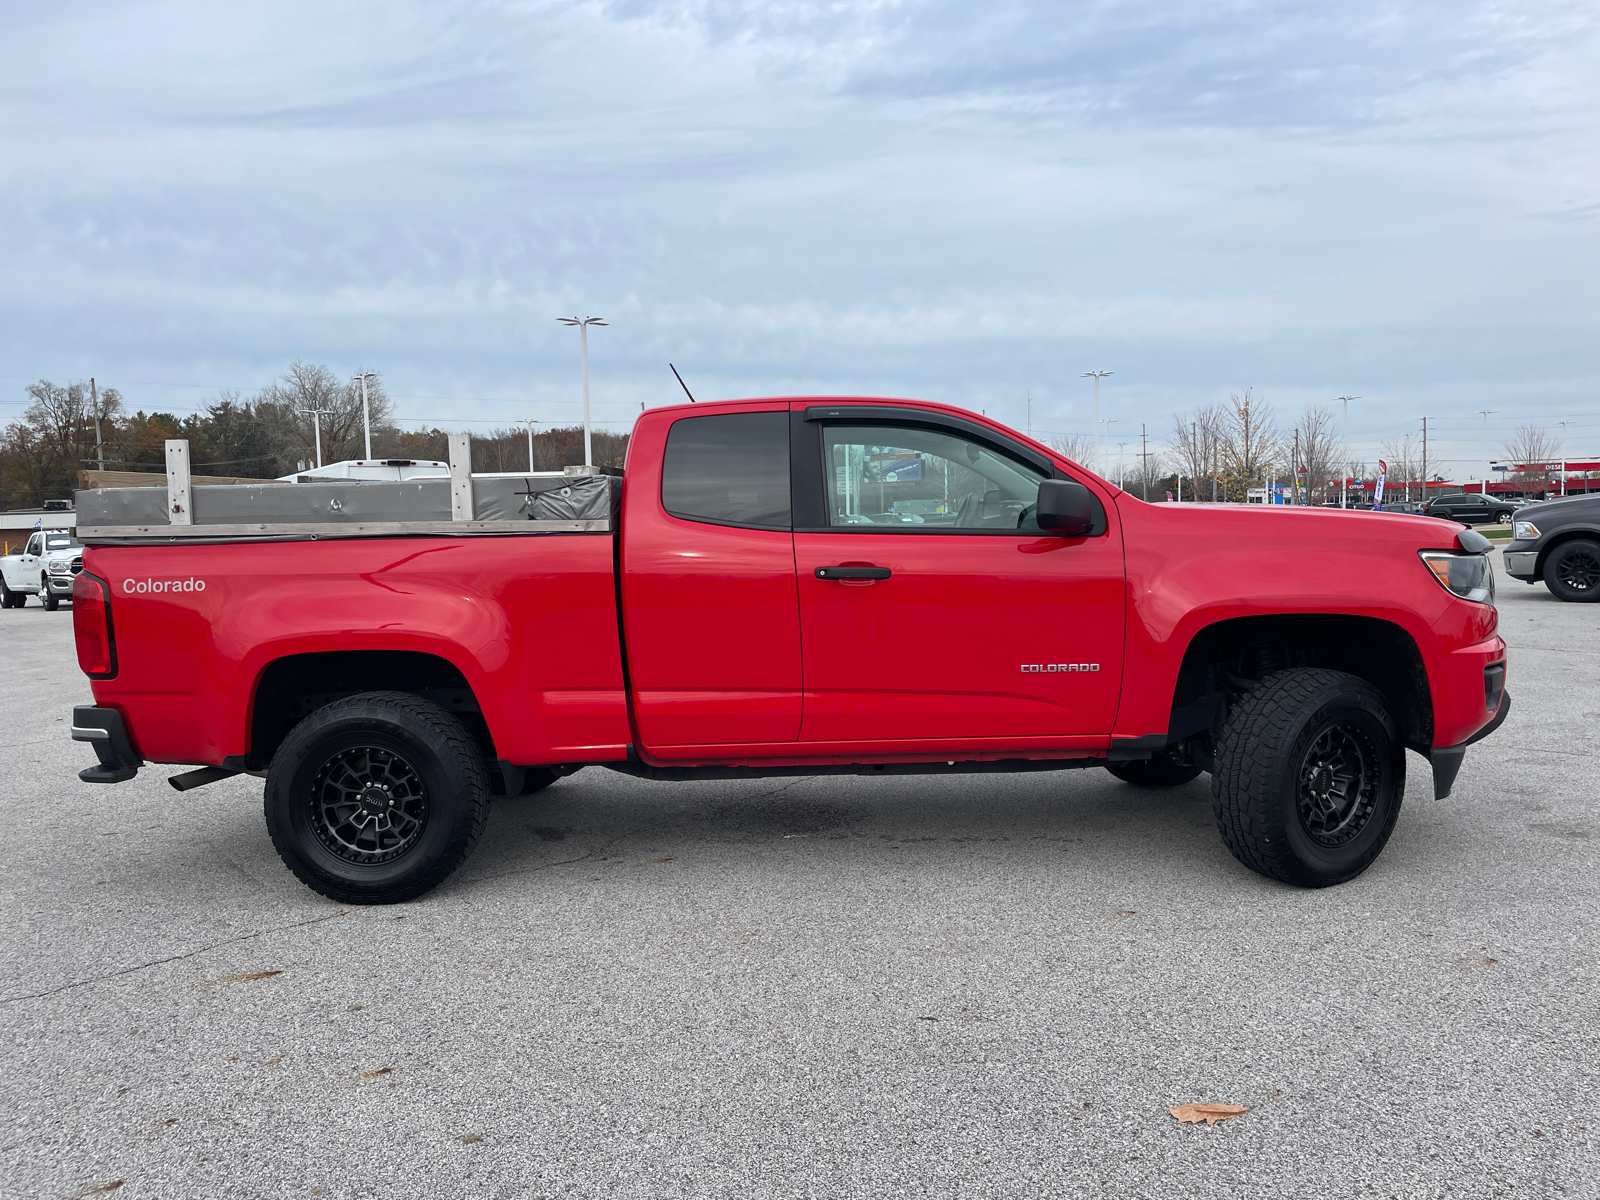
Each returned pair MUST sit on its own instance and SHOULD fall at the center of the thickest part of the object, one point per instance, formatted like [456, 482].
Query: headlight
[1469, 576]
[1524, 531]
[61, 568]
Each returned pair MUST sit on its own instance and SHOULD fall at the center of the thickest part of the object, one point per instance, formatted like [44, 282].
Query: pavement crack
[245, 937]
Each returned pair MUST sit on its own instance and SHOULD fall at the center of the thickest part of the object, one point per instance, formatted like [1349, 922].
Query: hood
[1561, 504]
[1246, 520]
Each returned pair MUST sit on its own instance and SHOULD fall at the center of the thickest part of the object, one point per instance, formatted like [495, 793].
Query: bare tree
[1404, 457]
[1077, 447]
[1195, 445]
[1530, 451]
[1249, 444]
[1320, 452]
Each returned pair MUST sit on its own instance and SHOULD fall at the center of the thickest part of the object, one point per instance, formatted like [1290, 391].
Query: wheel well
[293, 687]
[1561, 539]
[1224, 659]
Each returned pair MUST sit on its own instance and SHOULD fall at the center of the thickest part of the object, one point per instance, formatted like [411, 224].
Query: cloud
[960, 200]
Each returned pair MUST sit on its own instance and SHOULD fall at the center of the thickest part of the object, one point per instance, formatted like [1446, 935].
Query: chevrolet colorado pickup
[787, 587]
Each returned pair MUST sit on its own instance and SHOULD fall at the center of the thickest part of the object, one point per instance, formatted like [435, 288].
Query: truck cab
[44, 567]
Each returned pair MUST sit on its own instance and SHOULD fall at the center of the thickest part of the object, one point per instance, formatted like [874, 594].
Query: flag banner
[1377, 495]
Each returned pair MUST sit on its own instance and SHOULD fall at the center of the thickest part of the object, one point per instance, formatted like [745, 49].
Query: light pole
[530, 424]
[582, 325]
[316, 415]
[366, 420]
[1344, 483]
[1486, 413]
[1097, 376]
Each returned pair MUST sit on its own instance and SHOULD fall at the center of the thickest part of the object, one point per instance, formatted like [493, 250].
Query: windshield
[62, 543]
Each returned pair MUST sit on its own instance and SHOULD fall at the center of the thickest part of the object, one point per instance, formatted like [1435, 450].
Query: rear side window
[729, 469]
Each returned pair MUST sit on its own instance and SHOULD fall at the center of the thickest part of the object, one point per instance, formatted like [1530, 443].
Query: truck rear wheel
[8, 598]
[1310, 772]
[376, 798]
[1572, 571]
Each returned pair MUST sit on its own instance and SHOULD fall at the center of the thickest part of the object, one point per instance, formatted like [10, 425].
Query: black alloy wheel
[1310, 773]
[1572, 571]
[376, 798]
[1338, 784]
[368, 805]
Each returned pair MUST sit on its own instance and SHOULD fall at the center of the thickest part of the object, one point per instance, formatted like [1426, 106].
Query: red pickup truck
[794, 587]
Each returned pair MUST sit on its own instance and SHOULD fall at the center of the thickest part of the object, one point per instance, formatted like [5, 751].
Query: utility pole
[1344, 483]
[1144, 465]
[582, 326]
[366, 419]
[1424, 462]
[1294, 467]
[1097, 376]
[1030, 414]
[316, 424]
[99, 452]
[530, 424]
[1121, 446]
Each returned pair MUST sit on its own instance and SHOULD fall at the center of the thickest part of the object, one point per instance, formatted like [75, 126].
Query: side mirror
[1065, 508]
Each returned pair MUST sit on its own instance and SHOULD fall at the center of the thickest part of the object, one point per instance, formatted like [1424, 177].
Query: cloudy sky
[969, 202]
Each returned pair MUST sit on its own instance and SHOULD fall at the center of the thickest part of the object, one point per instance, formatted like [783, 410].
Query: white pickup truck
[44, 568]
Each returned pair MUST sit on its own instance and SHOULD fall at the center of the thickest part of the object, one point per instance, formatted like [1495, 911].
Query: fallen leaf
[250, 978]
[374, 1074]
[667, 859]
[1127, 912]
[471, 1139]
[169, 1121]
[1193, 1114]
[272, 1062]
[353, 1008]
[101, 1189]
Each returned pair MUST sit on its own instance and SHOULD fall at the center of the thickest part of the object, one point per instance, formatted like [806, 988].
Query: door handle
[852, 572]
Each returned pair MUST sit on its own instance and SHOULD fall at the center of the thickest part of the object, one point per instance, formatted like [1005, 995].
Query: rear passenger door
[710, 611]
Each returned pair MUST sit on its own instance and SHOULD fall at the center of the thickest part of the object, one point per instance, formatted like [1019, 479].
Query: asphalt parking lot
[816, 988]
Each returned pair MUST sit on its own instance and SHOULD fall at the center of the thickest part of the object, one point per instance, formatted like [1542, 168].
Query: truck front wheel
[1310, 772]
[48, 598]
[376, 798]
[1572, 571]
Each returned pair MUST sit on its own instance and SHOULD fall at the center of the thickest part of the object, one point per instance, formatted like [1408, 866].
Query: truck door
[932, 606]
[708, 591]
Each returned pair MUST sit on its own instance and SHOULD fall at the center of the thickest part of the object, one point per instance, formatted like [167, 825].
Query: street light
[582, 325]
[1344, 483]
[1097, 376]
[530, 424]
[366, 419]
[1486, 413]
[316, 415]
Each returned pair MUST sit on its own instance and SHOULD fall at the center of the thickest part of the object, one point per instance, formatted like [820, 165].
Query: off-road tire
[1154, 772]
[383, 742]
[49, 599]
[1572, 571]
[1259, 785]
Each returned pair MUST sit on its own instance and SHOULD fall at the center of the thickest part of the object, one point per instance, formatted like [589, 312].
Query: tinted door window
[887, 477]
[729, 469]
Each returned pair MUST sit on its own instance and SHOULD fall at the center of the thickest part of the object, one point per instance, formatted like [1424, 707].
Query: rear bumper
[103, 728]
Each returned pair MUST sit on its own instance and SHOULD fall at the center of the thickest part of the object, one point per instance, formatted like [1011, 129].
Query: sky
[966, 202]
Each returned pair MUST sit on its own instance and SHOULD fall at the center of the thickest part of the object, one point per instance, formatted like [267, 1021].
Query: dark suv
[1470, 508]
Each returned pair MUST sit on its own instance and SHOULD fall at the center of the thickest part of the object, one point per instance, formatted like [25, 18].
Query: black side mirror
[1065, 508]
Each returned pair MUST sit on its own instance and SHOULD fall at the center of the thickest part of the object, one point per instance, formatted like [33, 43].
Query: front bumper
[103, 727]
[1522, 564]
[1447, 760]
[60, 584]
